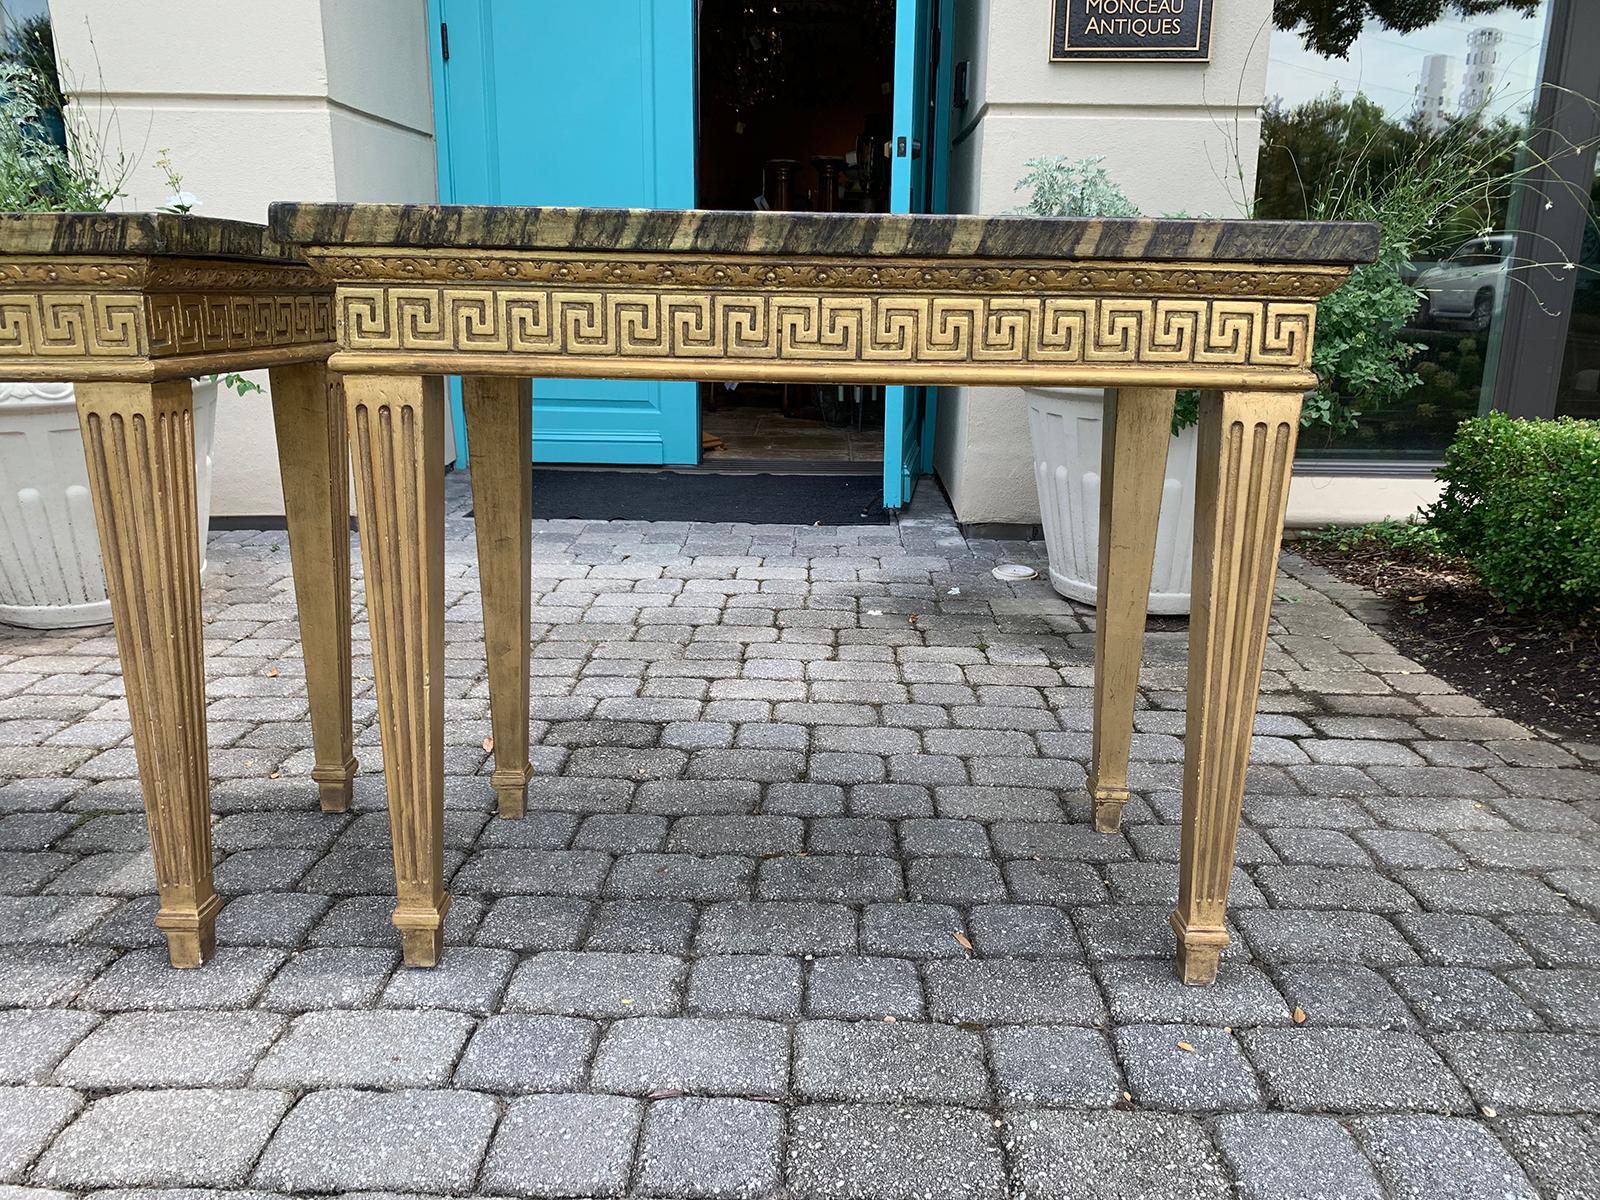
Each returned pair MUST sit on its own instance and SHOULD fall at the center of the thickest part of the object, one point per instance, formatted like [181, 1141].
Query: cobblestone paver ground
[806, 904]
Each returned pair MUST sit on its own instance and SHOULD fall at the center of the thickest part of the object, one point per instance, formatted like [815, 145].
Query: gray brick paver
[405, 1141]
[1421, 1157]
[720, 1056]
[29, 1118]
[1064, 1155]
[1286, 1156]
[564, 1145]
[893, 1152]
[365, 1049]
[692, 1146]
[33, 1041]
[183, 1138]
[171, 1049]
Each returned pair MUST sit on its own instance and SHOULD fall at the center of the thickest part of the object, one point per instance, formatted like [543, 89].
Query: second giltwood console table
[498, 295]
[129, 307]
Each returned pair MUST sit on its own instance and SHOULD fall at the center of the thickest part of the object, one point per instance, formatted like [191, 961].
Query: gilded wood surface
[308, 410]
[499, 416]
[1246, 444]
[784, 317]
[134, 318]
[1136, 431]
[139, 443]
[397, 447]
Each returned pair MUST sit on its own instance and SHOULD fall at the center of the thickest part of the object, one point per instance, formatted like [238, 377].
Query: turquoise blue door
[585, 102]
[919, 151]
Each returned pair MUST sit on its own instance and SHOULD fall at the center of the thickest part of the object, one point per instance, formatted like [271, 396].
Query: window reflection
[1458, 86]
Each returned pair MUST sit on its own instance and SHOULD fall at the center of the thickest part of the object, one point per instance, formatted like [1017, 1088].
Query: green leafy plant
[1081, 187]
[180, 201]
[1329, 27]
[1424, 190]
[39, 173]
[239, 384]
[1073, 187]
[1414, 538]
[33, 47]
[1522, 505]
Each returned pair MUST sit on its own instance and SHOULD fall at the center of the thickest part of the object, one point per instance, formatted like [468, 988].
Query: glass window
[1578, 388]
[1457, 96]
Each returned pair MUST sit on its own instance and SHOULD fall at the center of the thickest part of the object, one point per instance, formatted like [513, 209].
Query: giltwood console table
[1146, 307]
[129, 307]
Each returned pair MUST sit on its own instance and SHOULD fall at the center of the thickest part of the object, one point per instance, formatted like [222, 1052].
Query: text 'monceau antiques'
[499, 295]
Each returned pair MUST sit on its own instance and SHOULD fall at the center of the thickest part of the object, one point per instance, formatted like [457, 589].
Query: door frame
[936, 148]
[439, 97]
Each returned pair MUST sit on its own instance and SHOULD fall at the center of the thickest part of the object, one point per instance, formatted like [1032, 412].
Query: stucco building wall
[293, 99]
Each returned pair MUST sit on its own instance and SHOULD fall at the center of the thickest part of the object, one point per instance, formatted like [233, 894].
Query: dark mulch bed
[1537, 671]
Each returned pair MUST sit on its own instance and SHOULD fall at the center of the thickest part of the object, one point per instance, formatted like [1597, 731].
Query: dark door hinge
[444, 41]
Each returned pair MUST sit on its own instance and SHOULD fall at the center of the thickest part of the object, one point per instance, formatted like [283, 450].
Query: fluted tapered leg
[397, 445]
[1246, 451]
[499, 415]
[138, 439]
[314, 460]
[1133, 465]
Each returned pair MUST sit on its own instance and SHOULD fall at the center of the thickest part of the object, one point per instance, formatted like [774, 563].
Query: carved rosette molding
[110, 318]
[985, 276]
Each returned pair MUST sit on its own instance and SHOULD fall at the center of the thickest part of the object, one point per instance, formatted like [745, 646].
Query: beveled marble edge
[493, 227]
[153, 234]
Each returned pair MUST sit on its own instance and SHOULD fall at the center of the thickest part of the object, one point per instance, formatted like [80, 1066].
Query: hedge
[1522, 505]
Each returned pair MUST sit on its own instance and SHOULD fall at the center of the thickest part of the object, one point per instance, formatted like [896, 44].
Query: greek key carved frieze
[825, 327]
[66, 325]
[197, 322]
[45, 324]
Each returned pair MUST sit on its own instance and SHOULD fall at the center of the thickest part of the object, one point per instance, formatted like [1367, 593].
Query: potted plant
[50, 572]
[1066, 424]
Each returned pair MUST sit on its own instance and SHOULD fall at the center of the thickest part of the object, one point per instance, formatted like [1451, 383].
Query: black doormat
[704, 496]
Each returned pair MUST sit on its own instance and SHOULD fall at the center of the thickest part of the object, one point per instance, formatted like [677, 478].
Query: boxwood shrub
[1522, 505]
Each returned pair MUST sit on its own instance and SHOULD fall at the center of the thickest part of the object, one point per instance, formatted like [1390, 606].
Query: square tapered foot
[421, 933]
[1199, 952]
[511, 791]
[334, 786]
[192, 935]
[1108, 802]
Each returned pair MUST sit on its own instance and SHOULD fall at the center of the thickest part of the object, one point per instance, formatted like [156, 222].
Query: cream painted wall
[1178, 137]
[1318, 500]
[257, 100]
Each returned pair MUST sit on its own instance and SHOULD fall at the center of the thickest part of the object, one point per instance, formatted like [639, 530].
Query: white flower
[182, 201]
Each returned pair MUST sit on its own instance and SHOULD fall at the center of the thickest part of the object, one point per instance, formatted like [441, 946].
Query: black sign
[1131, 31]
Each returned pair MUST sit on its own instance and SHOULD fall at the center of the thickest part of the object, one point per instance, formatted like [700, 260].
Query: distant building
[1433, 86]
[1483, 71]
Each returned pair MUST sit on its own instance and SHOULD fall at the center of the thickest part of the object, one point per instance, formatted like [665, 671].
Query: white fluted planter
[1066, 425]
[50, 573]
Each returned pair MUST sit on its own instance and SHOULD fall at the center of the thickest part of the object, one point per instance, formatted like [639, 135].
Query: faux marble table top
[491, 227]
[154, 234]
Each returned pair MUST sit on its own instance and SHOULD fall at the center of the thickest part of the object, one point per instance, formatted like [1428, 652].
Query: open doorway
[795, 108]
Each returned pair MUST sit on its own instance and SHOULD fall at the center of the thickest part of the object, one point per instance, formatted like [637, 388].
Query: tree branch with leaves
[1329, 27]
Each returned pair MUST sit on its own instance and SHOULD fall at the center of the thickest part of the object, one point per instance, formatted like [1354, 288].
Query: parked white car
[1470, 284]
